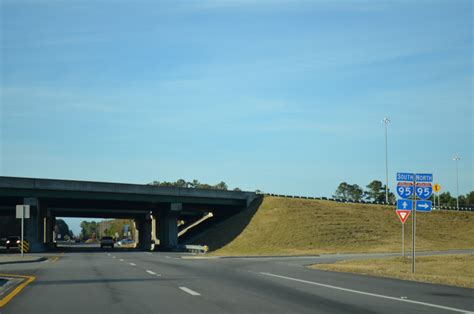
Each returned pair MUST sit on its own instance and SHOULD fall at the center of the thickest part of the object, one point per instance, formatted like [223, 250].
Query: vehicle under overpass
[152, 207]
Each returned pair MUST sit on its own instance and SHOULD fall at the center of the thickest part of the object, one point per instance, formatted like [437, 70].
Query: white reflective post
[22, 228]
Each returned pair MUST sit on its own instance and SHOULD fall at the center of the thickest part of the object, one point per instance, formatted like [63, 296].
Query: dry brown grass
[283, 226]
[454, 270]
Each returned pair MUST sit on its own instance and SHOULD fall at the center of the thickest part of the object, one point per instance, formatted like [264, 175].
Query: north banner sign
[403, 215]
[424, 177]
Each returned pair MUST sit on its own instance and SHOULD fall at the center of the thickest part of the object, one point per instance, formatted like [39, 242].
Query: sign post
[405, 189]
[22, 212]
[418, 186]
[403, 215]
[436, 189]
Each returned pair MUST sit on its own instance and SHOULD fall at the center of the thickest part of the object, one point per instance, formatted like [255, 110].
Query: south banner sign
[405, 189]
[405, 177]
[403, 215]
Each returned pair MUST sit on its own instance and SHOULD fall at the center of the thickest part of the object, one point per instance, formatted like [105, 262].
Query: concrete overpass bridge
[153, 208]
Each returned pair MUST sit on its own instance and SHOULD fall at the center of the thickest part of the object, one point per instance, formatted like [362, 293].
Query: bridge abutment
[33, 229]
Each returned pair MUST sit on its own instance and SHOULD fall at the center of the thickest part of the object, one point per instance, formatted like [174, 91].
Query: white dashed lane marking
[152, 273]
[187, 290]
[133, 264]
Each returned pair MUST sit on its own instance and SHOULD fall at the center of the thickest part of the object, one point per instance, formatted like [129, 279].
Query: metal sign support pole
[403, 239]
[413, 229]
[22, 228]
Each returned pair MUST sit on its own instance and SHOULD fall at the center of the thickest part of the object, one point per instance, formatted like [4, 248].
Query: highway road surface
[117, 281]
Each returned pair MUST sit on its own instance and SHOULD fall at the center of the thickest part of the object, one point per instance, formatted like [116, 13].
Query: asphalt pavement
[119, 281]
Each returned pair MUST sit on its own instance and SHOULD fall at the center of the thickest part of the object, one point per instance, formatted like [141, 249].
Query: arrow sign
[405, 204]
[403, 215]
[423, 206]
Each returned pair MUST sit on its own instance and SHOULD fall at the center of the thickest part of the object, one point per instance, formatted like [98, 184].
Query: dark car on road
[107, 241]
[12, 242]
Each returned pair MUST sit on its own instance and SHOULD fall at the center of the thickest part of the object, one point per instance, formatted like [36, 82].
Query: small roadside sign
[22, 212]
[19, 211]
[405, 204]
[403, 215]
[423, 206]
[436, 187]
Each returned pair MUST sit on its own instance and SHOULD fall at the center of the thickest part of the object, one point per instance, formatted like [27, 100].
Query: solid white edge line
[187, 290]
[368, 293]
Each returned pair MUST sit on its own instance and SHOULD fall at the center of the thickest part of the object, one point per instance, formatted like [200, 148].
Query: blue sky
[282, 96]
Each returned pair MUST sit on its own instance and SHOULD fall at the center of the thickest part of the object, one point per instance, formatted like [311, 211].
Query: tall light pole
[386, 121]
[456, 159]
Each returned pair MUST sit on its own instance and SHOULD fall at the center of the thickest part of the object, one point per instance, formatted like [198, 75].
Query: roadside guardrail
[196, 248]
[463, 208]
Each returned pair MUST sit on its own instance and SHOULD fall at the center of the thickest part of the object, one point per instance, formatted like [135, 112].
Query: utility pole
[386, 121]
[456, 159]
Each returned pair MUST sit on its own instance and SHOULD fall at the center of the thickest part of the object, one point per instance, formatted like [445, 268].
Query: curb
[270, 256]
[39, 259]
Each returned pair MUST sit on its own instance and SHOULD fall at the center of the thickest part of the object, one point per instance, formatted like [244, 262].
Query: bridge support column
[34, 225]
[49, 223]
[144, 232]
[168, 226]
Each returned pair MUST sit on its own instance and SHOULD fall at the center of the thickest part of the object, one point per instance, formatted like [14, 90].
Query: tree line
[375, 192]
[109, 227]
[446, 199]
[194, 184]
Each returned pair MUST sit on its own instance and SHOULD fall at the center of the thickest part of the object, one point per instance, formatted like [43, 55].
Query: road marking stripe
[133, 264]
[121, 260]
[17, 290]
[152, 273]
[187, 290]
[113, 257]
[368, 293]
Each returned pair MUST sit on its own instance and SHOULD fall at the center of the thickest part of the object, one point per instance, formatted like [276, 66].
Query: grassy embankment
[283, 226]
[454, 270]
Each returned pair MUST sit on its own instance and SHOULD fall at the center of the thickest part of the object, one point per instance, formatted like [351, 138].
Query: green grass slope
[283, 226]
